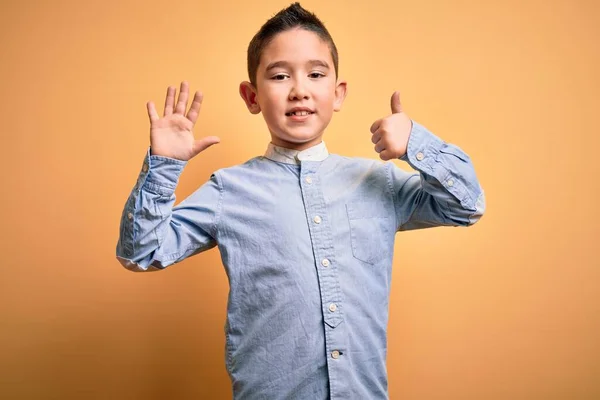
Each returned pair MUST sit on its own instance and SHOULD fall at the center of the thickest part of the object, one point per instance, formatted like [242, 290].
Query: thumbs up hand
[390, 134]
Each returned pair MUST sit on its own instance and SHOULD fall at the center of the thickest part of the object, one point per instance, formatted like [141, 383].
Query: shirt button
[317, 219]
[420, 156]
[450, 182]
[335, 354]
[145, 167]
[332, 307]
[308, 180]
[130, 216]
[325, 262]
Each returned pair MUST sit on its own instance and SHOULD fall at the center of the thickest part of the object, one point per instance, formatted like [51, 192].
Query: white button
[325, 262]
[130, 216]
[308, 180]
[145, 167]
[335, 354]
[450, 182]
[420, 156]
[332, 307]
[317, 219]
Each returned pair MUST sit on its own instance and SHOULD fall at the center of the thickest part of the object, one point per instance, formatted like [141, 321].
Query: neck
[296, 146]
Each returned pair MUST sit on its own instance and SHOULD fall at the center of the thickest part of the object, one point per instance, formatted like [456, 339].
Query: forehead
[296, 46]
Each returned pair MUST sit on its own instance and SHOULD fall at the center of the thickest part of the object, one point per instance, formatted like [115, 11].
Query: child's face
[296, 70]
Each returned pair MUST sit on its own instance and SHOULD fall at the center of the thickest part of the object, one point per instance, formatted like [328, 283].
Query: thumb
[396, 105]
[204, 143]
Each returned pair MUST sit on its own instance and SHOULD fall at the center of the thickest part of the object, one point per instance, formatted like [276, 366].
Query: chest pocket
[371, 230]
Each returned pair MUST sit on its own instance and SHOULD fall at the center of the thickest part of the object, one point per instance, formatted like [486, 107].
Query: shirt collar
[317, 152]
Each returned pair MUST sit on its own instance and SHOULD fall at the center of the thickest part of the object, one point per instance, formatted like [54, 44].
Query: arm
[153, 234]
[445, 190]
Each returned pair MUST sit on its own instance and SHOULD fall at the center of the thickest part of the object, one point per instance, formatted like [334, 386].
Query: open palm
[172, 135]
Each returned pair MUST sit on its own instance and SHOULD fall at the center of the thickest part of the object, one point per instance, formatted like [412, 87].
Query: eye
[279, 77]
[316, 75]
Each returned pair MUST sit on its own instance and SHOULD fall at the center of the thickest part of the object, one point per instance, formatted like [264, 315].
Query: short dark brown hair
[294, 16]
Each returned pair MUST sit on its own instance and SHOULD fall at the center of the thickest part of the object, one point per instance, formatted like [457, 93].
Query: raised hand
[391, 134]
[172, 135]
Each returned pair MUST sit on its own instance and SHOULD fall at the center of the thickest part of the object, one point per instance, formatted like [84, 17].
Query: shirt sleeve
[153, 234]
[443, 192]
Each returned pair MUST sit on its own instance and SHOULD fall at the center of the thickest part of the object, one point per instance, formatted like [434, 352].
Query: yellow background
[507, 309]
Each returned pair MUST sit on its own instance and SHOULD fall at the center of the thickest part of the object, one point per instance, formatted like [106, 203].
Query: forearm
[147, 215]
[446, 190]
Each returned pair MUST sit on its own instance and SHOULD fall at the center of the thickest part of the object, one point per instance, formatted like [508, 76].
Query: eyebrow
[282, 64]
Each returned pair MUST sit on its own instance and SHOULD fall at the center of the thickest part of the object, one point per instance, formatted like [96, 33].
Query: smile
[298, 113]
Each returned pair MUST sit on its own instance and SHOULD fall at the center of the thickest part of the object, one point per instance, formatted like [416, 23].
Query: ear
[341, 90]
[249, 93]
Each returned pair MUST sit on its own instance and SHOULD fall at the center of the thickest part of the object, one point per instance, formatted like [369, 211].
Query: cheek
[272, 109]
[327, 100]
[266, 104]
[327, 94]
[275, 98]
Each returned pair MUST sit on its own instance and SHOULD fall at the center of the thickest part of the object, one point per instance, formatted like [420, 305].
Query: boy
[306, 237]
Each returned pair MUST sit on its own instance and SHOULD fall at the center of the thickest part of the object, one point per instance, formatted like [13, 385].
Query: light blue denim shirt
[307, 240]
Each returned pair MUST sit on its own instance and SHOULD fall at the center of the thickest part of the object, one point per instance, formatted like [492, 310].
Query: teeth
[300, 113]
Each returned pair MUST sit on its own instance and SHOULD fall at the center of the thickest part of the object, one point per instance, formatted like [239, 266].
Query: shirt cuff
[423, 154]
[423, 148]
[160, 174]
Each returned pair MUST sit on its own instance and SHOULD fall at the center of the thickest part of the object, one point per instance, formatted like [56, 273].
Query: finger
[386, 155]
[375, 125]
[152, 112]
[169, 101]
[183, 98]
[376, 137]
[379, 147]
[395, 103]
[192, 115]
[204, 143]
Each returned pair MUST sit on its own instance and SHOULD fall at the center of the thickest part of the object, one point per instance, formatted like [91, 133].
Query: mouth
[299, 113]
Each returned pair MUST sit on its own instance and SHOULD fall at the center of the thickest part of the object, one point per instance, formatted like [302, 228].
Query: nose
[298, 90]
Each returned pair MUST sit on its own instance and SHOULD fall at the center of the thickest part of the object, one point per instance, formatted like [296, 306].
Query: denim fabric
[307, 248]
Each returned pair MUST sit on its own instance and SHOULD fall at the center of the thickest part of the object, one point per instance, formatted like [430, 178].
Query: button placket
[322, 243]
[321, 236]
